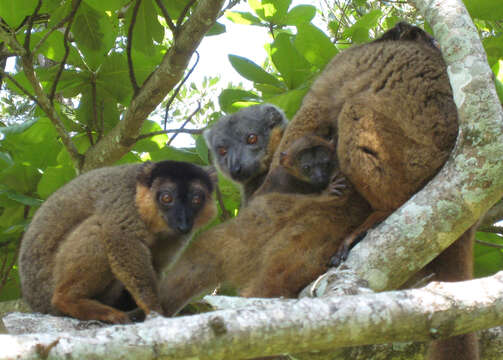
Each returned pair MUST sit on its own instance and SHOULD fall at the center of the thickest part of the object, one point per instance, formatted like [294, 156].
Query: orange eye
[222, 150]
[251, 139]
[166, 199]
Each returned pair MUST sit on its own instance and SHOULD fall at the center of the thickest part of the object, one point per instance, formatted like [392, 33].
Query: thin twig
[178, 88]
[485, 243]
[165, 13]
[229, 6]
[67, 51]
[14, 81]
[491, 229]
[185, 123]
[170, 131]
[183, 13]
[132, 77]
[31, 18]
[94, 125]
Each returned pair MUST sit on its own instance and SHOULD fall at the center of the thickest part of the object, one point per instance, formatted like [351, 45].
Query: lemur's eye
[222, 150]
[197, 199]
[306, 168]
[251, 139]
[166, 198]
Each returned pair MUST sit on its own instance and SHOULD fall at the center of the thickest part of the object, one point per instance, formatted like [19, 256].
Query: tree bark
[288, 326]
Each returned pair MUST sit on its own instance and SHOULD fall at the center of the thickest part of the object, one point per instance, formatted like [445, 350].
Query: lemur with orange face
[110, 230]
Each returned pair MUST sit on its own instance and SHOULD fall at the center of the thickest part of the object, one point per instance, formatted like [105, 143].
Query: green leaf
[176, 154]
[244, 18]
[175, 7]
[147, 28]
[359, 31]
[498, 80]
[202, 149]
[493, 46]
[20, 178]
[153, 143]
[94, 34]
[5, 160]
[20, 198]
[53, 178]
[114, 77]
[485, 9]
[269, 90]
[488, 260]
[18, 128]
[230, 193]
[230, 96]
[289, 101]
[314, 45]
[81, 142]
[14, 12]
[216, 29]
[273, 11]
[37, 146]
[300, 14]
[100, 115]
[104, 5]
[251, 71]
[294, 68]
[53, 48]
[264, 9]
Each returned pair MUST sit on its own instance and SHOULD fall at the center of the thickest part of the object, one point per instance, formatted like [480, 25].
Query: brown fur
[93, 238]
[269, 250]
[147, 209]
[389, 105]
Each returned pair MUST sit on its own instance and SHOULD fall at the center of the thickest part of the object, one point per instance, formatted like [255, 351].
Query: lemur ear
[212, 173]
[144, 176]
[274, 115]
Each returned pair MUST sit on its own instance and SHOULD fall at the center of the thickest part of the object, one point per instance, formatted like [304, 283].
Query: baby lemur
[308, 166]
[108, 230]
[242, 144]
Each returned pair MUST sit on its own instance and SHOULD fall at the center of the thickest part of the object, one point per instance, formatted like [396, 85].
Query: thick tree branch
[120, 139]
[293, 326]
[470, 182]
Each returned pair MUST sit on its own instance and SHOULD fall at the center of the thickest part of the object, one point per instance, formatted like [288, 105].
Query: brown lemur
[242, 144]
[391, 107]
[110, 230]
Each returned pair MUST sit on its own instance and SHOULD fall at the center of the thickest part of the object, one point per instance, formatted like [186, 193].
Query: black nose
[184, 228]
[183, 221]
[235, 170]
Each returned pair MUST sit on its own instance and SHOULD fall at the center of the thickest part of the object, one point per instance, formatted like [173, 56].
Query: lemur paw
[337, 185]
